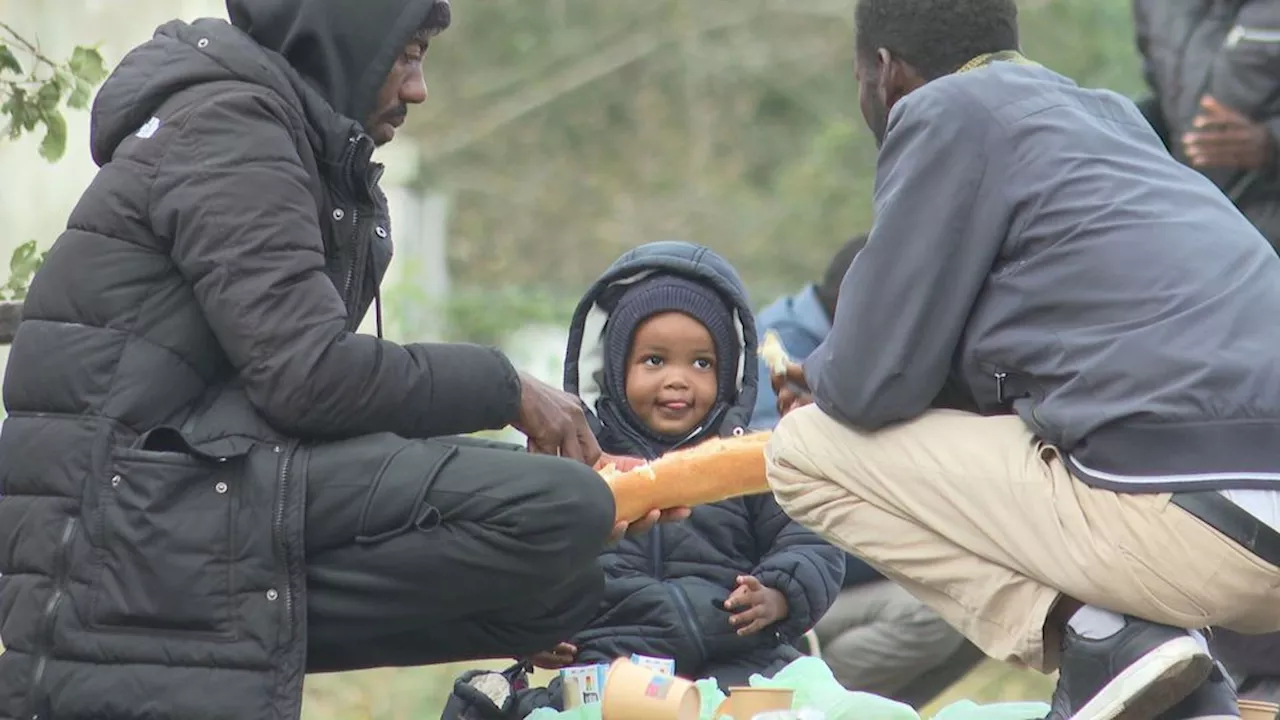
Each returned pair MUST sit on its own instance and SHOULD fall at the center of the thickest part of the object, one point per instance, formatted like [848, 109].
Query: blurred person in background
[212, 484]
[801, 321]
[1213, 67]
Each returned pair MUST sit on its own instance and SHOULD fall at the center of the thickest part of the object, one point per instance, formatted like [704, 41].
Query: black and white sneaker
[1215, 699]
[1140, 671]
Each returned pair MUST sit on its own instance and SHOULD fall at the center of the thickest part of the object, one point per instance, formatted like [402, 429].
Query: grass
[420, 693]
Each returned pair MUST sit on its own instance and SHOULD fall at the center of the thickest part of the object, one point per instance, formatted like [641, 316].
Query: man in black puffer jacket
[1213, 67]
[211, 484]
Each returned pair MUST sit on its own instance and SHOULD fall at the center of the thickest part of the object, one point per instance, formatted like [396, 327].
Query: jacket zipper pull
[1000, 378]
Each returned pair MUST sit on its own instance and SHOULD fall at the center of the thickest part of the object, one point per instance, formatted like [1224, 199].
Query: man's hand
[554, 422]
[791, 388]
[560, 656]
[1224, 138]
[755, 606]
[648, 522]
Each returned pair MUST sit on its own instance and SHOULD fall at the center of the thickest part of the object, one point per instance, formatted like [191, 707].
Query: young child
[662, 353]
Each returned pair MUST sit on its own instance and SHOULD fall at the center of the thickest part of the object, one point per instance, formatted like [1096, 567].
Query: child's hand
[561, 655]
[755, 606]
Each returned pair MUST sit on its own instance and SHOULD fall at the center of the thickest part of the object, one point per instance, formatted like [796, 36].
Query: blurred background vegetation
[565, 131]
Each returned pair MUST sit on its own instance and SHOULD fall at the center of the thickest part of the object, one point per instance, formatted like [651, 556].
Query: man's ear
[897, 77]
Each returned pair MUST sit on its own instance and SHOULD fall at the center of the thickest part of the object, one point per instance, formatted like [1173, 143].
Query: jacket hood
[328, 58]
[343, 49]
[584, 357]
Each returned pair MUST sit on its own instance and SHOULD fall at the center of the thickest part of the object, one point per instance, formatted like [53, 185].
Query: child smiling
[662, 352]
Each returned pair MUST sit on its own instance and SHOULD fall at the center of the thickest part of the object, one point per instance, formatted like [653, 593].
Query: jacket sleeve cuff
[472, 388]
[799, 619]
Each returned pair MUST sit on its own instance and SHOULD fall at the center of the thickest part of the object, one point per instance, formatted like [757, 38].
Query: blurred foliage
[567, 131]
[33, 96]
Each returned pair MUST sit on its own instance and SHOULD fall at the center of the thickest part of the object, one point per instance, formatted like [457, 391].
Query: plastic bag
[816, 688]
[969, 710]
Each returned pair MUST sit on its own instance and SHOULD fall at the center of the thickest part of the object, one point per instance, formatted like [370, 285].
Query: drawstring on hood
[344, 50]
[585, 358]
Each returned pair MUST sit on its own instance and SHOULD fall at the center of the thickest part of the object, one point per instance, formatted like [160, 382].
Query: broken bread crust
[774, 354]
[718, 469]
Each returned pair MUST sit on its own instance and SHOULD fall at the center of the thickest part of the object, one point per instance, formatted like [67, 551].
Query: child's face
[671, 373]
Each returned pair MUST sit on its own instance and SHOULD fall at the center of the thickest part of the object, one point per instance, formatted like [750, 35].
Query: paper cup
[744, 703]
[1258, 710]
[633, 692]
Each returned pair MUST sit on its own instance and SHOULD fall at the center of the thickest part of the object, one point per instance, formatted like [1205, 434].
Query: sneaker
[1215, 699]
[1135, 674]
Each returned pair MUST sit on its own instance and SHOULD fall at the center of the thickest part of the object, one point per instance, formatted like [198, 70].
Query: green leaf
[49, 95]
[86, 63]
[16, 108]
[80, 94]
[30, 116]
[55, 136]
[8, 61]
[21, 256]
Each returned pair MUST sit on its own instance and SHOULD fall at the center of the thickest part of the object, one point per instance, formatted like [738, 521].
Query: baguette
[774, 354]
[718, 469]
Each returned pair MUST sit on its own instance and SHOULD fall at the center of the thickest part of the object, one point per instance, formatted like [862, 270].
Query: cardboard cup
[1258, 710]
[633, 692]
[744, 703]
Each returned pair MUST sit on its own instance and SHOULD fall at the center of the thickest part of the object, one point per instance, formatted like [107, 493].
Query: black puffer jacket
[1229, 49]
[189, 330]
[661, 587]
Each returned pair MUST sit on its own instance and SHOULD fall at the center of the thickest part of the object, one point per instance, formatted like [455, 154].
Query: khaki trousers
[982, 522]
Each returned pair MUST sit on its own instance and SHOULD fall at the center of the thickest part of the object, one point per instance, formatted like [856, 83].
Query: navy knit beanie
[670, 293]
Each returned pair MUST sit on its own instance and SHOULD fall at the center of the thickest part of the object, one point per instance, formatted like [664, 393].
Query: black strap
[1233, 521]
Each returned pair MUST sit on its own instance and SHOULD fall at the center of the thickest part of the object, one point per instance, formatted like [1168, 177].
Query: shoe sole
[1156, 682]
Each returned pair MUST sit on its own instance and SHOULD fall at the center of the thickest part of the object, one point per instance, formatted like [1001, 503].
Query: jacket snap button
[272, 595]
[339, 213]
[220, 488]
[115, 480]
[739, 432]
[275, 449]
[203, 42]
[381, 231]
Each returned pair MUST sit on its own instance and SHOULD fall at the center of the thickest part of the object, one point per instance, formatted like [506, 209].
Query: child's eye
[703, 364]
[652, 360]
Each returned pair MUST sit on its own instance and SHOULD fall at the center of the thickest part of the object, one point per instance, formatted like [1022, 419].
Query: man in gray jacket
[1112, 316]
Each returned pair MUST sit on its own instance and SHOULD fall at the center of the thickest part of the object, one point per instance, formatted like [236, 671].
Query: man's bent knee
[801, 488]
[571, 513]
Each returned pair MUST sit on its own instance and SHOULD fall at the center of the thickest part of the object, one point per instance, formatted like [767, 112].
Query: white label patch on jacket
[149, 128]
[1241, 33]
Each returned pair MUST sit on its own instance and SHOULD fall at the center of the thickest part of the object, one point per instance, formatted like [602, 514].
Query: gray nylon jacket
[1035, 242]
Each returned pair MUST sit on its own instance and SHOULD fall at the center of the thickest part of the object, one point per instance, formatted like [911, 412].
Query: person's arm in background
[799, 343]
[232, 195]
[806, 569]
[942, 215]
[1149, 104]
[1238, 126]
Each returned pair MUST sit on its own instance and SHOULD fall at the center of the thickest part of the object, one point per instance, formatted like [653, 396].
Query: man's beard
[879, 120]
